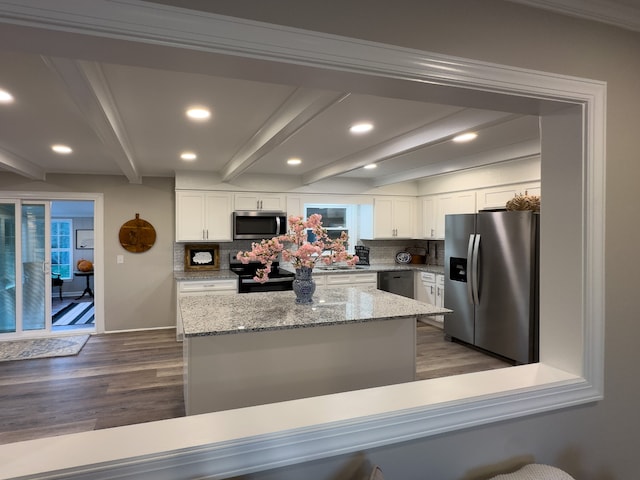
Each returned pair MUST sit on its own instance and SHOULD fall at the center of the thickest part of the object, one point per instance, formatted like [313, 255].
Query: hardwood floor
[437, 357]
[116, 379]
[125, 378]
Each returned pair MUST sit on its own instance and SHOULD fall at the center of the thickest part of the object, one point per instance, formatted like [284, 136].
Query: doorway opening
[72, 258]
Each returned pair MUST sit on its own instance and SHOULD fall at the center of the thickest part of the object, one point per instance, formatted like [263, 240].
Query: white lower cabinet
[185, 288]
[440, 297]
[430, 289]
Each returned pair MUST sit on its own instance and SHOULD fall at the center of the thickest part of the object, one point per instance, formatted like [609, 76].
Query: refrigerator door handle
[469, 262]
[475, 273]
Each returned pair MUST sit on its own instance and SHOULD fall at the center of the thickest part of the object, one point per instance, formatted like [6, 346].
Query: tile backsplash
[381, 251]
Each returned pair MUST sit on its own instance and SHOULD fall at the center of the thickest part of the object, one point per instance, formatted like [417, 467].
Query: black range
[279, 280]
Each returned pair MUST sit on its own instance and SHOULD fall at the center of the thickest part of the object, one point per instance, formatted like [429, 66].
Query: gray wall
[138, 293]
[593, 442]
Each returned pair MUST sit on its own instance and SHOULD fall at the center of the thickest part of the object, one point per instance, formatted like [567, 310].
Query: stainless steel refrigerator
[491, 282]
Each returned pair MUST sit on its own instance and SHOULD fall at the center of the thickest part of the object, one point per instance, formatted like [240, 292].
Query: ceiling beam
[13, 163]
[88, 87]
[430, 134]
[302, 106]
[517, 151]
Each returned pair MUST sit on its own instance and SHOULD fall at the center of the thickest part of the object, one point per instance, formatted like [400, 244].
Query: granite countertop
[229, 314]
[392, 267]
[224, 274]
[377, 267]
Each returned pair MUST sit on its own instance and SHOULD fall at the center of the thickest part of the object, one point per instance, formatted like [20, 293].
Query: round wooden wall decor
[137, 235]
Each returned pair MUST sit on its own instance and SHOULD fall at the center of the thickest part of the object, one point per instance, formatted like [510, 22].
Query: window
[335, 219]
[61, 247]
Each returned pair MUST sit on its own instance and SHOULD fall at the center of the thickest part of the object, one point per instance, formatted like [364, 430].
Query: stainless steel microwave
[258, 224]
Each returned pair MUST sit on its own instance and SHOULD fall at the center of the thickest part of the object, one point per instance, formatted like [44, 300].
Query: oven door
[277, 284]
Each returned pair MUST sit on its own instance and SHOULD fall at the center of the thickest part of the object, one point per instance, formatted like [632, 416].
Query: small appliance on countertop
[363, 255]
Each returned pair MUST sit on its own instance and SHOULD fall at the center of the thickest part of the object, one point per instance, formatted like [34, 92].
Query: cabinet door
[445, 205]
[218, 217]
[439, 295]
[383, 218]
[459, 202]
[255, 201]
[190, 216]
[497, 197]
[404, 217]
[428, 217]
[246, 201]
[274, 203]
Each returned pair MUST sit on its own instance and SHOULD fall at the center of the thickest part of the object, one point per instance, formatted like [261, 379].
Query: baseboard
[139, 329]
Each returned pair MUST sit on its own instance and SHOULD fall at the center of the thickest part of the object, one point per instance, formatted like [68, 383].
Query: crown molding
[605, 11]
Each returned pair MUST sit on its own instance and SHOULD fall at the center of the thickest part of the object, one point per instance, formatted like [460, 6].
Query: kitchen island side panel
[254, 368]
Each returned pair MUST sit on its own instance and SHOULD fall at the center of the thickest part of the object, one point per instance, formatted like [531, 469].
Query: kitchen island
[251, 349]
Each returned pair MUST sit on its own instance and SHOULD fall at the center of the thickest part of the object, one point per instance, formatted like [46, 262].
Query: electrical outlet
[120, 259]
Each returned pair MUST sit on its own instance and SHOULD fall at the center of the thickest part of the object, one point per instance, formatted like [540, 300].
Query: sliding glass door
[25, 268]
[8, 300]
[36, 266]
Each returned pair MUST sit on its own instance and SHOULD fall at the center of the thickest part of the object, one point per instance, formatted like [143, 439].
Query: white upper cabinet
[393, 218]
[259, 201]
[203, 216]
[450, 203]
[497, 197]
[435, 207]
[427, 219]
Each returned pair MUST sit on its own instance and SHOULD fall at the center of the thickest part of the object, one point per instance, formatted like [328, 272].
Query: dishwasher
[400, 283]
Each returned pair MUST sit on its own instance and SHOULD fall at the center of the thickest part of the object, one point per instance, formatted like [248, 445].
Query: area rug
[42, 347]
[74, 314]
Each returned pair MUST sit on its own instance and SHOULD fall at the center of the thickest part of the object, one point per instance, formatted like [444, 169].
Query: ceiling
[122, 111]
[254, 128]
[128, 118]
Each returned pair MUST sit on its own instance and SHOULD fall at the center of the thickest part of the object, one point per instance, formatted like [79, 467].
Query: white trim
[129, 330]
[241, 441]
[98, 228]
[604, 11]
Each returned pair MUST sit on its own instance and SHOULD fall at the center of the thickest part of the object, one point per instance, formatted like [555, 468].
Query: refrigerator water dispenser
[458, 269]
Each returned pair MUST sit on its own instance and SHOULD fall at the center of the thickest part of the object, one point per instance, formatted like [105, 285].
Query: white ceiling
[123, 113]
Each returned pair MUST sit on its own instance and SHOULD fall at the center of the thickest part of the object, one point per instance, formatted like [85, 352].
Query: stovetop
[249, 270]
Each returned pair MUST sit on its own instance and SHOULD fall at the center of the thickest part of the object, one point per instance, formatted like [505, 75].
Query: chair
[57, 282]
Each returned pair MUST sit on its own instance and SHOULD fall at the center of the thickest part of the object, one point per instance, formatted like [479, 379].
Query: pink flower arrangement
[301, 253]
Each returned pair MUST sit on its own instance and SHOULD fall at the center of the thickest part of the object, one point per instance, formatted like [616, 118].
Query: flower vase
[304, 285]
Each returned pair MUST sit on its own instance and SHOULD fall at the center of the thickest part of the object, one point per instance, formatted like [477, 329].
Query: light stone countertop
[253, 312]
[225, 274]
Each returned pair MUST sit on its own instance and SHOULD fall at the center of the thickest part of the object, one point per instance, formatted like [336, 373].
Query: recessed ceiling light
[188, 156]
[370, 166]
[63, 149]
[198, 113]
[5, 97]
[465, 137]
[361, 128]
[294, 161]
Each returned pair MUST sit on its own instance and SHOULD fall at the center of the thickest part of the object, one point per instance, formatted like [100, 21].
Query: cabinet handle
[431, 289]
[203, 234]
[207, 237]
